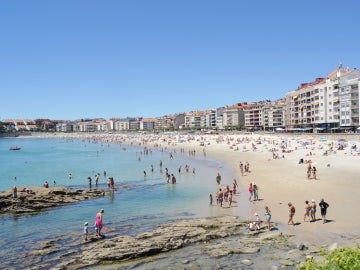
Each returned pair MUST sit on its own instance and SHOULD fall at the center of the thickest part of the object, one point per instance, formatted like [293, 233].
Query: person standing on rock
[14, 190]
[99, 223]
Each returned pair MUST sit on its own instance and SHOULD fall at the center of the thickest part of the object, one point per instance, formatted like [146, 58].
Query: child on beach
[86, 231]
[211, 199]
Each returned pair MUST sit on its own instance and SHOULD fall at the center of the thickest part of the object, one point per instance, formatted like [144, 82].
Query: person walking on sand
[255, 192]
[323, 209]
[268, 217]
[309, 171]
[99, 223]
[235, 185]
[307, 211]
[312, 211]
[251, 190]
[230, 198]
[241, 165]
[291, 214]
[314, 172]
[220, 197]
[247, 166]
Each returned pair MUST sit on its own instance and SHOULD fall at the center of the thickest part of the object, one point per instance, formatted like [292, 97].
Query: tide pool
[138, 204]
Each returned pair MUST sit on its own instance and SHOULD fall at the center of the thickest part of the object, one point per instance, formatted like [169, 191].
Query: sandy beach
[279, 176]
[282, 180]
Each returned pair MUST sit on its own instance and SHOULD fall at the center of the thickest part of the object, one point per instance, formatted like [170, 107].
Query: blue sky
[86, 59]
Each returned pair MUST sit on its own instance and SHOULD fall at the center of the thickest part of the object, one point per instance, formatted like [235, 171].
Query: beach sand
[280, 180]
[284, 180]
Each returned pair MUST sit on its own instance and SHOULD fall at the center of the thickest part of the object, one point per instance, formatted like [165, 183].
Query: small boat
[15, 148]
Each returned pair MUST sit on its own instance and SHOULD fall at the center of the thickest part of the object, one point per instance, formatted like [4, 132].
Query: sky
[73, 59]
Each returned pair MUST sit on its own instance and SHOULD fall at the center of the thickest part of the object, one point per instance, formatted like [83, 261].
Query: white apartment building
[315, 106]
[349, 100]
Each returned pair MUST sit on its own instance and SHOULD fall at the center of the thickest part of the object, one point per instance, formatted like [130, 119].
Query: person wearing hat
[86, 231]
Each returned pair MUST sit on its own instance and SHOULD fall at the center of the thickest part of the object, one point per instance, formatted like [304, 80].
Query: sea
[137, 204]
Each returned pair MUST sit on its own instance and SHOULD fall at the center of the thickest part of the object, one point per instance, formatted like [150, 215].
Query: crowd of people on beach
[224, 195]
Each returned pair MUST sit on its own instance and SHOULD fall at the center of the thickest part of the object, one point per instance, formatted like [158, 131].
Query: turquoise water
[137, 204]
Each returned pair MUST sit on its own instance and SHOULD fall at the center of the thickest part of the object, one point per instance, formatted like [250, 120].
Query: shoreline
[280, 180]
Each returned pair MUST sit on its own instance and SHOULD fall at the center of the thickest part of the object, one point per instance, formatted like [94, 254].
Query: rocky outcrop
[42, 198]
[208, 243]
[214, 233]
